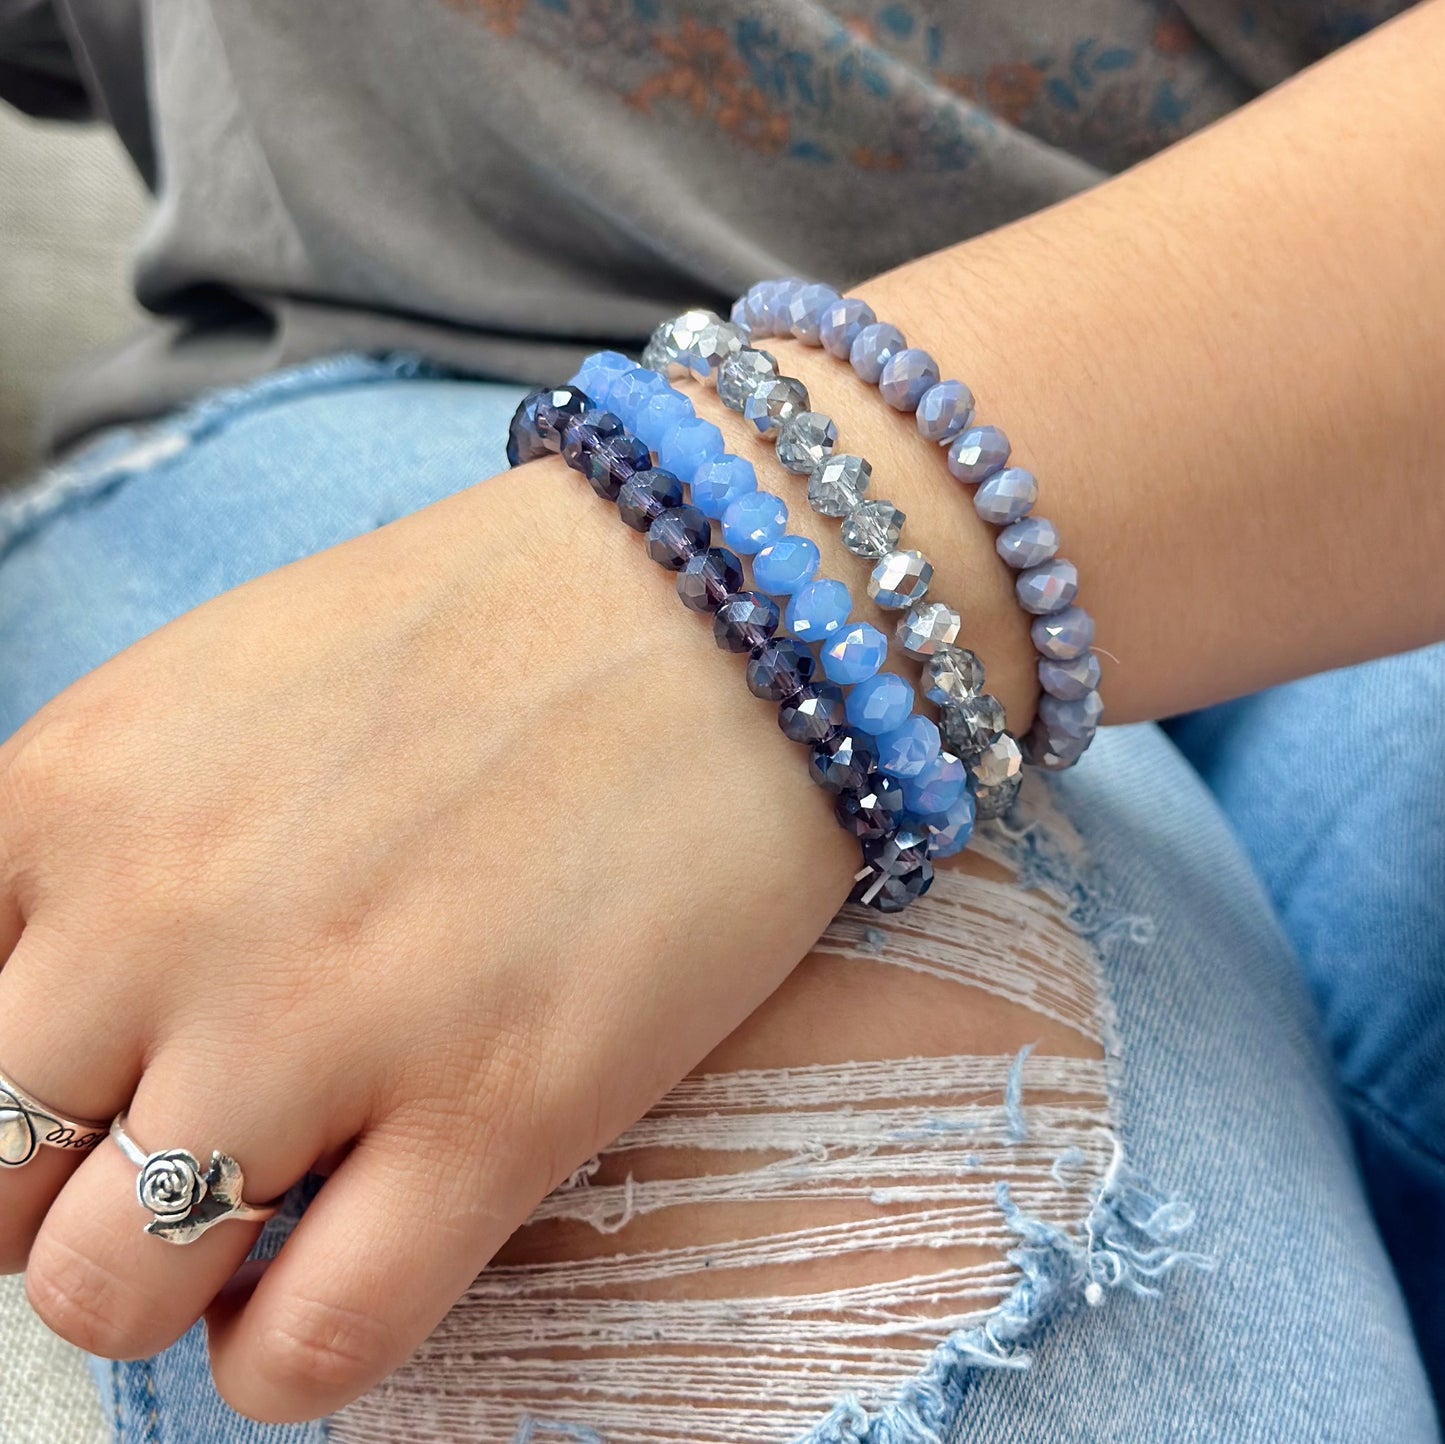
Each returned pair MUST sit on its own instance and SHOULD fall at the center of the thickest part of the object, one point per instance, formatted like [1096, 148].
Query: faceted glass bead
[555, 409]
[806, 440]
[886, 893]
[991, 802]
[1027, 543]
[872, 528]
[880, 705]
[742, 373]
[909, 748]
[523, 442]
[813, 715]
[744, 621]
[854, 654]
[838, 484]
[843, 763]
[905, 376]
[595, 375]
[754, 520]
[1006, 496]
[755, 306]
[720, 482]
[1073, 719]
[951, 835]
[900, 852]
[952, 674]
[774, 402]
[680, 337]
[677, 536]
[689, 445]
[1063, 635]
[783, 566]
[738, 315]
[943, 411]
[998, 762]
[586, 434]
[660, 415]
[1050, 587]
[646, 495]
[930, 792]
[805, 311]
[871, 811]
[927, 628]
[614, 461]
[1071, 680]
[1053, 751]
[632, 390]
[775, 307]
[978, 453]
[840, 323]
[900, 579]
[708, 579]
[969, 726]
[712, 345]
[872, 347]
[818, 609]
[780, 669]
[654, 354]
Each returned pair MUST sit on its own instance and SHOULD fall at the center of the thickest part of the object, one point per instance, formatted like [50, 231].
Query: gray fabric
[502, 184]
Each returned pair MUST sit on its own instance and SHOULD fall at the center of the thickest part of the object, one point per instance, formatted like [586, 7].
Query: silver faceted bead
[996, 799]
[872, 529]
[775, 402]
[926, 628]
[742, 373]
[952, 674]
[806, 440]
[838, 484]
[712, 345]
[900, 579]
[969, 726]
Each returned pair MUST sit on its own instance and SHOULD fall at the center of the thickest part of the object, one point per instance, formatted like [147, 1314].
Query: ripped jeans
[1136, 1213]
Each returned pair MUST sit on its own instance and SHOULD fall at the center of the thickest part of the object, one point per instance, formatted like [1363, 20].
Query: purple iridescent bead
[1027, 543]
[813, 715]
[786, 565]
[720, 482]
[689, 446]
[677, 536]
[586, 434]
[646, 495]
[707, 580]
[804, 311]
[753, 521]
[556, 409]
[903, 852]
[523, 442]
[1006, 496]
[854, 654]
[887, 892]
[840, 323]
[872, 347]
[978, 453]
[908, 748]
[880, 704]
[816, 611]
[843, 763]
[660, 415]
[611, 463]
[934, 789]
[745, 621]
[779, 669]
[1047, 588]
[905, 378]
[1069, 681]
[943, 411]
[873, 810]
[1061, 636]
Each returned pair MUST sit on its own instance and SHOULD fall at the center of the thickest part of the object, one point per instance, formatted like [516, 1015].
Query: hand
[440, 856]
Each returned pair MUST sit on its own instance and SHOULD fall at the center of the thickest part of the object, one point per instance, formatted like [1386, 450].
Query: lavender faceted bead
[677, 536]
[738, 315]
[854, 654]
[1064, 635]
[906, 376]
[1006, 496]
[1029, 542]
[707, 580]
[1069, 681]
[805, 311]
[753, 521]
[978, 453]
[872, 347]
[943, 411]
[720, 482]
[780, 669]
[745, 621]
[817, 610]
[774, 311]
[756, 304]
[1074, 718]
[880, 704]
[784, 566]
[813, 715]
[873, 810]
[646, 495]
[806, 440]
[1054, 751]
[1047, 588]
[840, 323]
[909, 748]
[690, 445]
[843, 763]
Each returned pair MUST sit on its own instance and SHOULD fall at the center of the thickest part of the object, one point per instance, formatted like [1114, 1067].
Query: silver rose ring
[185, 1199]
[27, 1125]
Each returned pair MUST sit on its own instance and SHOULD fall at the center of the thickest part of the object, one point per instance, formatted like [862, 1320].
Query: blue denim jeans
[1262, 892]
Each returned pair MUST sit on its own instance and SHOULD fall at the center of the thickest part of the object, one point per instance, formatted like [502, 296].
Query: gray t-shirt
[501, 185]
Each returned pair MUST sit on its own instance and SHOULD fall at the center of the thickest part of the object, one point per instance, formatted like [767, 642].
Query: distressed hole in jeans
[831, 1203]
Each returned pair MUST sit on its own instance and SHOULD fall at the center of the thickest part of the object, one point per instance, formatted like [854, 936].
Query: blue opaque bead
[1006, 496]
[785, 565]
[934, 789]
[1069, 681]
[906, 376]
[805, 308]
[908, 748]
[943, 411]
[523, 442]
[660, 415]
[753, 521]
[646, 495]
[843, 763]
[586, 434]
[813, 715]
[872, 347]
[598, 371]
[952, 835]
[880, 704]
[978, 453]
[1064, 635]
[840, 323]
[1028, 542]
[632, 390]
[817, 610]
[613, 462]
[689, 445]
[1047, 588]
[677, 536]
[779, 669]
[708, 579]
[720, 482]
[854, 654]
[1074, 719]
[744, 621]
[557, 409]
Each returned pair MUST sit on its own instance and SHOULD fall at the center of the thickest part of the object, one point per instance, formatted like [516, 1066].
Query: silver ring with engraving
[27, 1125]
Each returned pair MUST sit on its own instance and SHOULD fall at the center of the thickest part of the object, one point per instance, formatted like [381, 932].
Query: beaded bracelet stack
[903, 805]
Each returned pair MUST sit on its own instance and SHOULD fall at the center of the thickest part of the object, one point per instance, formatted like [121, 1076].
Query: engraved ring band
[27, 1125]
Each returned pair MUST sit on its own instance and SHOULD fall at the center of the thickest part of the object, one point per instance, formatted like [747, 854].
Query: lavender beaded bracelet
[973, 725]
[897, 822]
[1047, 584]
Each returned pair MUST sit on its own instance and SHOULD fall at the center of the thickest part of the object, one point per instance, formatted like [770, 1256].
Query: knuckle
[316, 1349]
[84, 1302]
